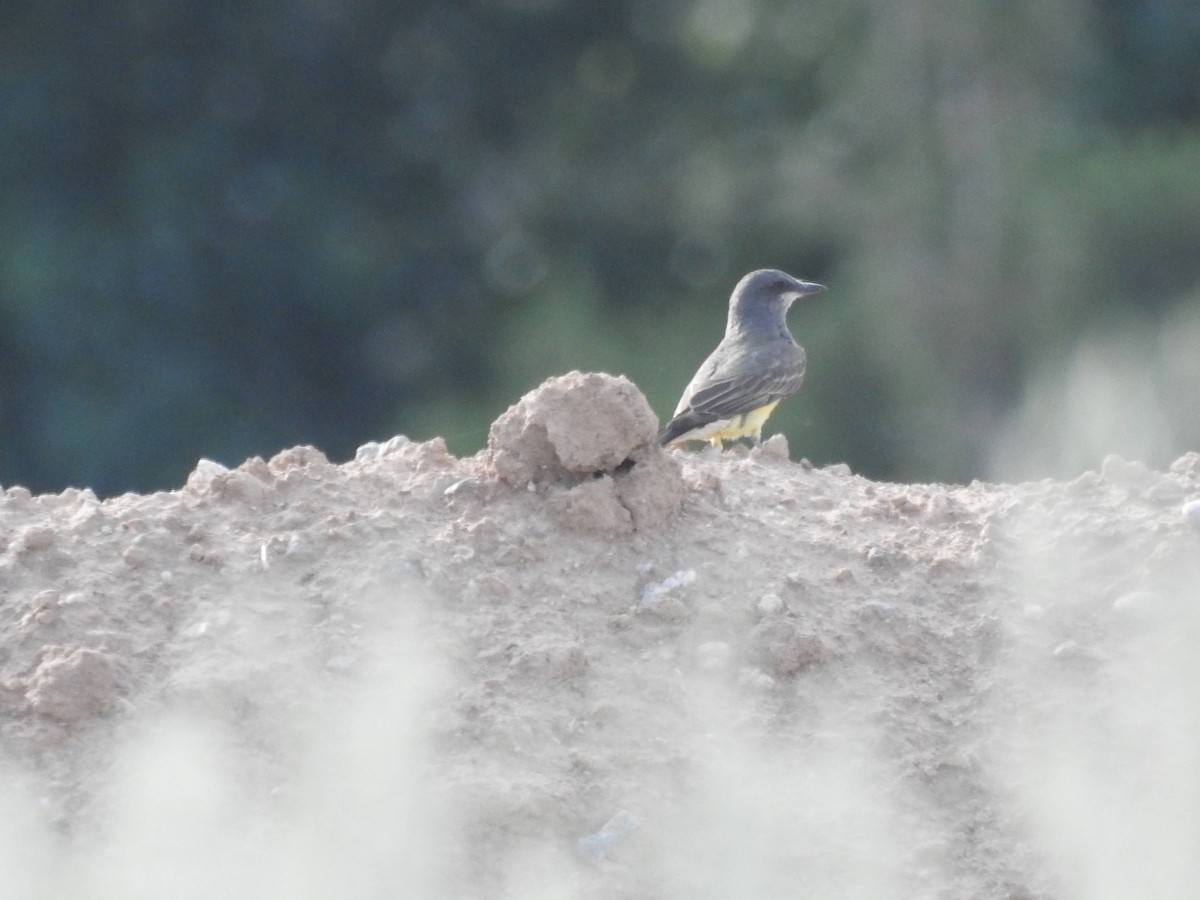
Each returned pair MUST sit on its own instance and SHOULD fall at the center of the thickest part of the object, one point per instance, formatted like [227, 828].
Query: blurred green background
[229, 227]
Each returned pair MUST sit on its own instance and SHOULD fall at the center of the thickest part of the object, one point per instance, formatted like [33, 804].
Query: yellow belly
[748, 424]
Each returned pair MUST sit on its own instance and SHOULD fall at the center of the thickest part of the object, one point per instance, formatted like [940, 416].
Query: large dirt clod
[575, 424]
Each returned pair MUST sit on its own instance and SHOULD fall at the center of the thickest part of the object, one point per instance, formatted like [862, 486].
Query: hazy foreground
[413, 675]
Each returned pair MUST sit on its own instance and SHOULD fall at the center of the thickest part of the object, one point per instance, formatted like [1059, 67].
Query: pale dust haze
[543, 672]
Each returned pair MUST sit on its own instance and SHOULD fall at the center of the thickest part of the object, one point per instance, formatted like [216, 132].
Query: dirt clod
[576, 424]
[71, 683]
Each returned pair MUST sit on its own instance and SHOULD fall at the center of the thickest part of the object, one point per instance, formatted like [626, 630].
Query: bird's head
[763, 295]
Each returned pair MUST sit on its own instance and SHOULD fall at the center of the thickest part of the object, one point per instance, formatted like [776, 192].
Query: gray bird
[756, 365]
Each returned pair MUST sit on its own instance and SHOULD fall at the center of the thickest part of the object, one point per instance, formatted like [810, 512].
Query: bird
[756, 365]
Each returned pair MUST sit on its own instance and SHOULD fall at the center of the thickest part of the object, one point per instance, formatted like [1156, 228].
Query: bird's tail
[677, 427]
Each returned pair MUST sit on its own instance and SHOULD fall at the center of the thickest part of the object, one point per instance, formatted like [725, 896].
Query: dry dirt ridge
[575, 665]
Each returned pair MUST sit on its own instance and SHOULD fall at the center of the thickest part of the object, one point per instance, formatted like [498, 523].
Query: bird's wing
[743, 393]
[712, 397]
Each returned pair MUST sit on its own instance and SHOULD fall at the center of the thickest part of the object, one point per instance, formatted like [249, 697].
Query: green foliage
[227, 228]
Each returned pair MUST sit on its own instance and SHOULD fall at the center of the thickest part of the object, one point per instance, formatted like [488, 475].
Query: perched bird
[756, 365]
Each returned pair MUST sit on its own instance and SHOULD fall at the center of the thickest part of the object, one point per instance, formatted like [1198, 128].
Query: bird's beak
[805, 289]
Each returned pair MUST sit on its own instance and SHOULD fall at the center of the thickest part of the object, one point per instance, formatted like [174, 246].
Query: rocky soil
[575, 665]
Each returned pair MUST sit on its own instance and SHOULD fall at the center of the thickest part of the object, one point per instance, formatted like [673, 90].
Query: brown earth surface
[575, 665]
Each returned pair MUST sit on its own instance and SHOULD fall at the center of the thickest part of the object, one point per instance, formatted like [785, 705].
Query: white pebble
[244, 486]
[394, 444]
[769, 604]
[202, 476]
[671, 582]
[369, 450]
[375, 450]
[37, 537]
[1191, 513]
[298, 546]
[457, 486]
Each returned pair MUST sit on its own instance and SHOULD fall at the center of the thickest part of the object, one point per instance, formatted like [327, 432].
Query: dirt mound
[592, 434]
[577, 665]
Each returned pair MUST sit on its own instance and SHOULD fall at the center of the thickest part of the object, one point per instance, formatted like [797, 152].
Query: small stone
[881, 557]
[37, 537]
[367, 451]
[298, 547]
[672, 582]
[43, 610]
[1191, 513]
[302, 457]
[457, 487]
[202, 476]
[394, 445]
[70, 684]
[374, 450]
[135, 554]
[784, 649]
[770, 604]
[243, 486]
[775, 448]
